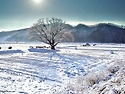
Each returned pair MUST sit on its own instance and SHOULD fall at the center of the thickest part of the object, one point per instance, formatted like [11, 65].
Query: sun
[37, 1]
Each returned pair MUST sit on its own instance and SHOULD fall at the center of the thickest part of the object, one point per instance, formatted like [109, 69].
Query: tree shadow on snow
[70, 64]
[42, 50]
[11, 51]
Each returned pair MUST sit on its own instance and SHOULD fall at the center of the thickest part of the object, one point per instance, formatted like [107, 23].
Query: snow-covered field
[24, 70]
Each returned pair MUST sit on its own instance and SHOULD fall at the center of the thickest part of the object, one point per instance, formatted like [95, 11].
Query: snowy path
[39, 71]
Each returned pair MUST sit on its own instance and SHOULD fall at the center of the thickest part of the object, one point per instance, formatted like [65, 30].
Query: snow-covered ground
[24, 70]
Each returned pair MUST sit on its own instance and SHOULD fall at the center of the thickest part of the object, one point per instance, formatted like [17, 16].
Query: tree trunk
[53, 47]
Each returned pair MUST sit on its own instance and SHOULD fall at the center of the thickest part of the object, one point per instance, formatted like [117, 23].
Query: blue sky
[17, 14]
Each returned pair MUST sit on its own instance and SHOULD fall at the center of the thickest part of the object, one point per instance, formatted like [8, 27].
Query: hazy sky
[17, 14]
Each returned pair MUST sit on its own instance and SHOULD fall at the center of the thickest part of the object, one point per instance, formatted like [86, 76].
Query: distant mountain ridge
[103, 32]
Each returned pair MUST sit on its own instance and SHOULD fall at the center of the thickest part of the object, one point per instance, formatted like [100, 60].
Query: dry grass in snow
[109, 81]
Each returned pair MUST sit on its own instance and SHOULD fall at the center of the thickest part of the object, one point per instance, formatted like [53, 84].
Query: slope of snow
[43, 71]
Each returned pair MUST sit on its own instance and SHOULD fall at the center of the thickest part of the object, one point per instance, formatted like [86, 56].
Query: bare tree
[50, 31]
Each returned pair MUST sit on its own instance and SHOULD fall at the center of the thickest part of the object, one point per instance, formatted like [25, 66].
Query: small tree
[50, 31]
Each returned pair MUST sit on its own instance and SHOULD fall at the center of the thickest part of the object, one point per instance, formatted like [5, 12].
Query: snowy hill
[107, 33]
[15, 36]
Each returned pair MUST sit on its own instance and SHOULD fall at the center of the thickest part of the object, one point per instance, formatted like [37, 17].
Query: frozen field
[42, 71]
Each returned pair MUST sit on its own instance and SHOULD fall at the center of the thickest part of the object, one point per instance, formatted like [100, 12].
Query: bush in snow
[42, 47]
[94, 44]
[9, 47]
[31, 47]
[113, 69]
[87, 44]
[112, 52]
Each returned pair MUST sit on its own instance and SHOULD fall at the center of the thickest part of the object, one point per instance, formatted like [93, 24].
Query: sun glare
[37, 1]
